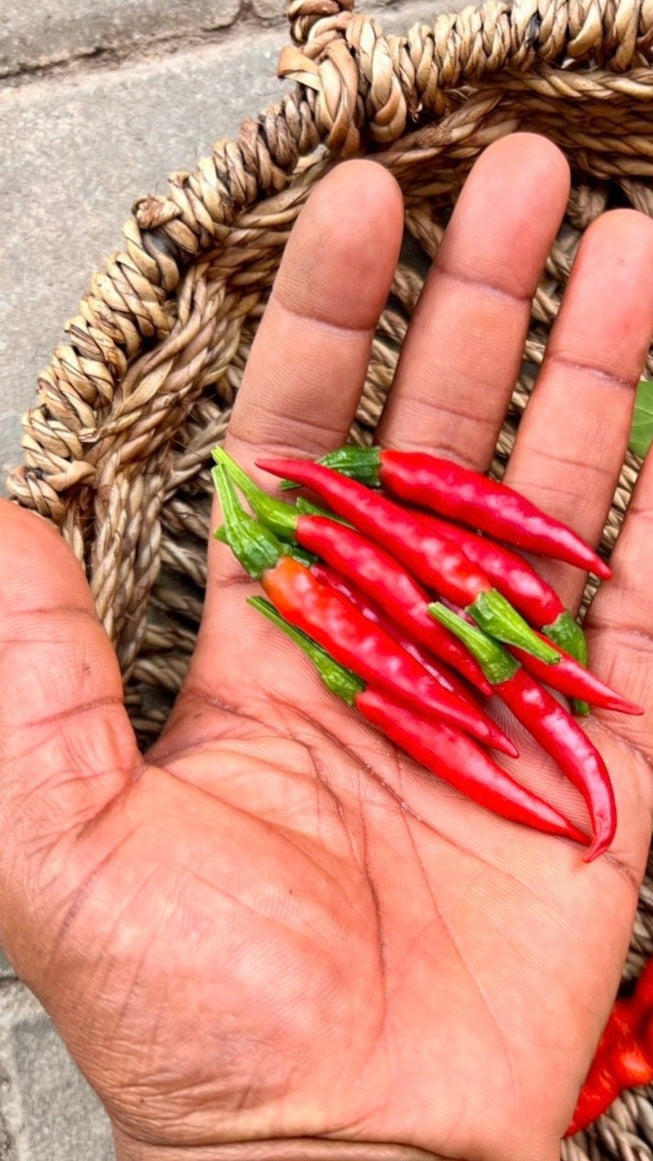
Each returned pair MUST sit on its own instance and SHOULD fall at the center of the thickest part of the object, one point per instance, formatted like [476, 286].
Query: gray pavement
[32, 39]
[97, 106]
[49, 1112]
[83, 136]
[76, 158]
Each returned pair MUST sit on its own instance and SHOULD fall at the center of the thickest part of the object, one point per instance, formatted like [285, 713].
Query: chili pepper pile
[414, 620]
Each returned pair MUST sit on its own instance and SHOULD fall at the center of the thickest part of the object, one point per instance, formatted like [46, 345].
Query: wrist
[297, 1149]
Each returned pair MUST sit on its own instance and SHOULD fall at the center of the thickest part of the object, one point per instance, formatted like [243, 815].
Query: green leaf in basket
[641, 433]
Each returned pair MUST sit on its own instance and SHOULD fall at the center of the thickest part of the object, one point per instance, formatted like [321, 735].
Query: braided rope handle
[352, 84]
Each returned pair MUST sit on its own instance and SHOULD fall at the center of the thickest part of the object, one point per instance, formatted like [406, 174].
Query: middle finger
[464, 347]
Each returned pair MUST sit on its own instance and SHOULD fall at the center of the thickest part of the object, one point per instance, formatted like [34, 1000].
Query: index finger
[307, 367]
[308, 362]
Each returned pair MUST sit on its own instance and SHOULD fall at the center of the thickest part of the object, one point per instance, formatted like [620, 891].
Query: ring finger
[573, 437]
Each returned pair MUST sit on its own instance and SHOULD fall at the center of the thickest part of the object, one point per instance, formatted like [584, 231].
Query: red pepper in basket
[548, 722]
[365, 564]
[446, 752]
[339, 627]
[420, 544]
[624, 1057]
[462, 494]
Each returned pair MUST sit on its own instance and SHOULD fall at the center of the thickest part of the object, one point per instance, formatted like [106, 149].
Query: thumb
[66, 744]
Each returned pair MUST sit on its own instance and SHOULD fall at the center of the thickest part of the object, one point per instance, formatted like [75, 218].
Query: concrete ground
[98, 105]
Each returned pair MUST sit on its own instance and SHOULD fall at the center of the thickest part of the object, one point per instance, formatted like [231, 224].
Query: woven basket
[117, 448]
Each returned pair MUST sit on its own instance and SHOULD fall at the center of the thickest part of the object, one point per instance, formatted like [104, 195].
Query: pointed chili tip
[279, 466]
[509, 748]
[275, 465]
[496, 739]
[569, 831]
[599, 845]
[622, 706]
[609, 700]
[631, 707]
[602, 569]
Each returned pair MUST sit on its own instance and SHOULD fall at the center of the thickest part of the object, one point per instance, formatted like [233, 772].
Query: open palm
[273, 928]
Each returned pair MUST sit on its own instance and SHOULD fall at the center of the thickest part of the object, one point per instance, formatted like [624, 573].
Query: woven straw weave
[116, 450]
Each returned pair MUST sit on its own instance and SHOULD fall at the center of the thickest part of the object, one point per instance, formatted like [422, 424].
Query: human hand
[273, 929]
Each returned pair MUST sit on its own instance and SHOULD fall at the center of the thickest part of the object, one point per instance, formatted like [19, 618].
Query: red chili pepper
[548, 722]
[530, 594]
[365, 564]
[520, 584]
[462, 494]
[624, 1057]
[511, 574]
[339, 627]
[420, 544]
[446, 676]
[575, 681]
[446, 752]
[367, 650]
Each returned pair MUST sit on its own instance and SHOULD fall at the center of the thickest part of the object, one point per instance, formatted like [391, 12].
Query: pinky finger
[619, 622]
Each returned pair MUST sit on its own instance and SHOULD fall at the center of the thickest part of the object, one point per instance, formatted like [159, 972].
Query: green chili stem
[496, 616]
[497, 665]
[279, 517]
[252, 544]
[300, 554]
[567, 633]
[362, 463]
[338, 680]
